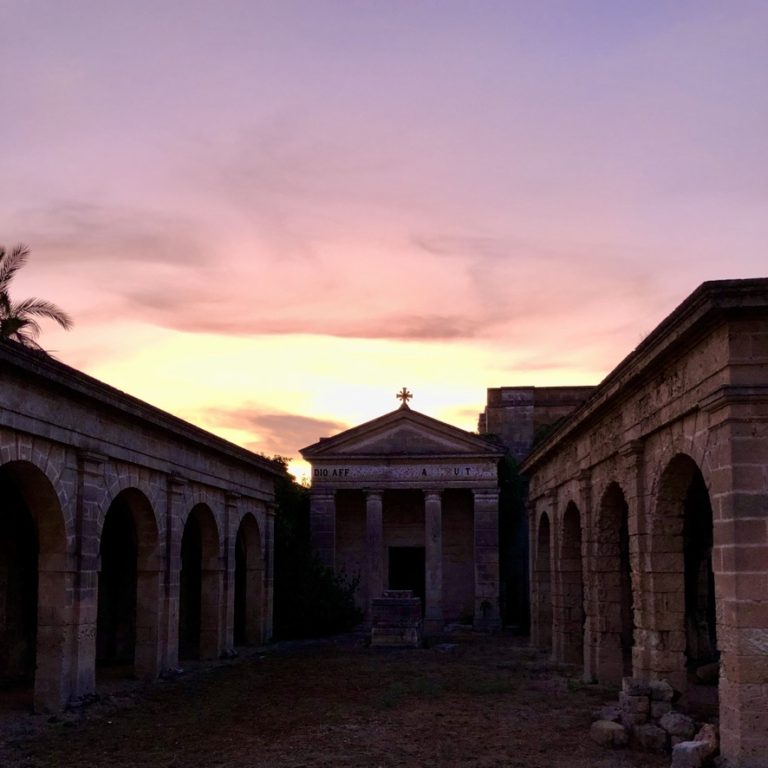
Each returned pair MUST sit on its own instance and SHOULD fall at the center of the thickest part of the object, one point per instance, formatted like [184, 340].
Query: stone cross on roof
[405, 396]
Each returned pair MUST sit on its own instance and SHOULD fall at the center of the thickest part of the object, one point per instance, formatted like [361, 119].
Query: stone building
[129, 539]
[519, 416]
[649, 517]
[408, 502]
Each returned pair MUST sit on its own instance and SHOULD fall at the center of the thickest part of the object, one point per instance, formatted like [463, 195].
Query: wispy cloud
[88, 232]
[278, 433]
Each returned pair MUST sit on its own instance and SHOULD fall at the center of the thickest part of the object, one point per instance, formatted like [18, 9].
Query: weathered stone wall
[76, 450]
[458, 565]
[518, 414]
[665, 468]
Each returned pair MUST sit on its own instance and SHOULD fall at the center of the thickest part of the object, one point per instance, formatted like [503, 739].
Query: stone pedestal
[396, 619]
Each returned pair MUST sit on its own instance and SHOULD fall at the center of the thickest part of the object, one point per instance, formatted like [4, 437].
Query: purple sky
[268, 217]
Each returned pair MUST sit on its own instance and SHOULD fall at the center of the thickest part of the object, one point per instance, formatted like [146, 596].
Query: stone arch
[572, 585]
[249, 583]
[615, 605]
[682, 583]
[543, 581]
[128, 613]
[213, 503]
[119, 481]
[35, 578]
[200, 585]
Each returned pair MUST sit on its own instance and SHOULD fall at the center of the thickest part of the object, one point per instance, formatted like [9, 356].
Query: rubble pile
[645, 719]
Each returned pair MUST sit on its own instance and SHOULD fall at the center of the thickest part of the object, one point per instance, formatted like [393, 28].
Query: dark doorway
[700, 617]
[18, 587]
[116, 623]
[406, 570]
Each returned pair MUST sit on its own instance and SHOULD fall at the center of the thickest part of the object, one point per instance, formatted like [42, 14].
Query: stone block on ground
[609, 712]
[634, 705]
[689, 754]
[606, 733]
[650, 737]
[708, 733]
[677, 724]
[632, 721]
[660, 708]
[661, 690]
[633, 687]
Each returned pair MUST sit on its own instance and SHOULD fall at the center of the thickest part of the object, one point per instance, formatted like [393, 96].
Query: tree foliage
[18, 319]
[310, 600]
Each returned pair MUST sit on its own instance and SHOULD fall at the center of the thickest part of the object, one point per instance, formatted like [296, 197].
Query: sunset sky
[268, 217]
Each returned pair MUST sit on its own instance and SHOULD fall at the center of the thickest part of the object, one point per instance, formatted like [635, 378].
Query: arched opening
[199, 586]
[128, 597]
[573, 587]
[544, 585]
[700, 610]
[682, 542]
[18, 586]
[33, 586]
[615, 603]
[248, 583]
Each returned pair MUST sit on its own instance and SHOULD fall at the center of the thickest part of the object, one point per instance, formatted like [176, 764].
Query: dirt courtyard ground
[471, 701]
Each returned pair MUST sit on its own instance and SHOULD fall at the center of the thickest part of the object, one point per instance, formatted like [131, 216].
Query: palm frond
[26, 340]
[41, 308]
[10, 263]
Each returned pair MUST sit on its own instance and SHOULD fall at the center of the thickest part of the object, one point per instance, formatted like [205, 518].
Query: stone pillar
[486, 508]
[637, 523]
[322, 524]
[231, 503]
[591, 583]
[555, 561]
[532, 512]
[739, 499]
[90, 492]
[433, 543]
[175, 495]
[269, 573]
[211, 598]
[149, 582]
[374, 547]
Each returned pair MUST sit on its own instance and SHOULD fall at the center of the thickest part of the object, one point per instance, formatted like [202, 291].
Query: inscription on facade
[344, 471]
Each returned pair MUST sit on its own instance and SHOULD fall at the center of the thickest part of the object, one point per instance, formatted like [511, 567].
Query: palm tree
[17, 319]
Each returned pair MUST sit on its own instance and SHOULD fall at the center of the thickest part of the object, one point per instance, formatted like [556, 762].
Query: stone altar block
[396, 619]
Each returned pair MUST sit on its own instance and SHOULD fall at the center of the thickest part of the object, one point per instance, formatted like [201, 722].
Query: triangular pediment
[402, 433]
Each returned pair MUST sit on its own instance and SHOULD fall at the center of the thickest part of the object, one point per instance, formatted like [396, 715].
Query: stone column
[637, 523]
[374, 547]
[322, 523]
[433, 543]
[90, 492]
[556, 575]
[591, 584]
[486, 510]
[147, 663]
[269, 573]
[531, 511]
[211, 599]
[175, 495]
[231, 502]
[740, 561]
